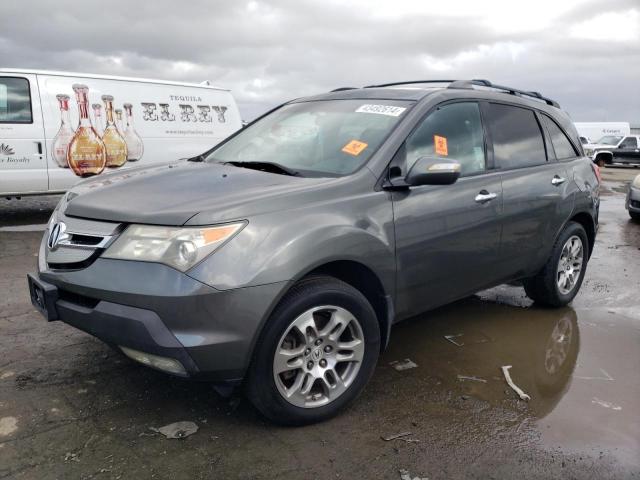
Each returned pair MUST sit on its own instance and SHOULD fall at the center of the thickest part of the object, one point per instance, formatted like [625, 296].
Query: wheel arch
[586, 220]
[606, 156]
[366, 281]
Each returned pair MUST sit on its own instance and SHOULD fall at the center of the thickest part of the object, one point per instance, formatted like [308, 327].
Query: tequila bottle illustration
[65, 133]
[135, 146]
[115, 145]
[97, 118]
[86, 154]
[119, 125]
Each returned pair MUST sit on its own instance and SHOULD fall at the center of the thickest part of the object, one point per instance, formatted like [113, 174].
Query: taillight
[596, 170]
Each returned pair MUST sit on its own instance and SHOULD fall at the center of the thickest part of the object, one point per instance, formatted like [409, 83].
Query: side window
[453, 131]
[561, 144]
[629, 142]
[517, 138]
[15, 100]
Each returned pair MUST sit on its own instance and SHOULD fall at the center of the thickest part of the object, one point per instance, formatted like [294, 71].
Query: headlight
[636, 182]
[588, 152]
[179, 247]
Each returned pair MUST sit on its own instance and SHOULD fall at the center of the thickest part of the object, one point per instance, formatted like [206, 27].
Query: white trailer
[594, 131]
[44, 150]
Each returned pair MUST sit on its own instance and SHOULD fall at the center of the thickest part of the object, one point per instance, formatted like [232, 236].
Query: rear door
[447, 236]
[536, 188]
[23, 166]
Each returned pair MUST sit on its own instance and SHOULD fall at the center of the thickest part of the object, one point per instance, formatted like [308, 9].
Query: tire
[314, 301]
[600, 162]
[634, 215]
[544, 288]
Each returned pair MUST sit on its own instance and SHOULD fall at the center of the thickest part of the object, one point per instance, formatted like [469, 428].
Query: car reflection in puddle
[580, 368]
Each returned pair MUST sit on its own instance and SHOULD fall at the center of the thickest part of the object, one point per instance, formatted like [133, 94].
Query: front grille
[79, 243]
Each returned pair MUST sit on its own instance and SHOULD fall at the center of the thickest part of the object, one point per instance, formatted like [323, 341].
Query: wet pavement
[70, 407]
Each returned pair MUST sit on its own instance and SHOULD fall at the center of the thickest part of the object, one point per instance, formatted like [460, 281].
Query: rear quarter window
[15, 100]
[561, 144]
[517, 138]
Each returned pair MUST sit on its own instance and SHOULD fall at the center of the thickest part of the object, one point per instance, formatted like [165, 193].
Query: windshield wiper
[270, 167]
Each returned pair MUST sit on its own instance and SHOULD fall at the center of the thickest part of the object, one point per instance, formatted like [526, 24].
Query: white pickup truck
[614, 149]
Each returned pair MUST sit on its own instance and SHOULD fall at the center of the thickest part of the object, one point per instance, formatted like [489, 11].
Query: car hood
[171, 194]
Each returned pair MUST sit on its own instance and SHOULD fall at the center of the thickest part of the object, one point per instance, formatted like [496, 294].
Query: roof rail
[408, 83]
[468, 84]
[342, 89]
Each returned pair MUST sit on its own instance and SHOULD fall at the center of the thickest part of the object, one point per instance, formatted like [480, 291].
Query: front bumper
[633, 200]
[156, 309]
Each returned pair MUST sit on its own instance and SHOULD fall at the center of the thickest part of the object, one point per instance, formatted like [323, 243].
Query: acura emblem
[57, 235]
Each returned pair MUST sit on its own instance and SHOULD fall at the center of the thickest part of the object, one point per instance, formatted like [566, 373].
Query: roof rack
[408, 83]
[469, 84]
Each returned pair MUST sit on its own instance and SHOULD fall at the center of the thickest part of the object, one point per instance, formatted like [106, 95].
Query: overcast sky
[583, 53]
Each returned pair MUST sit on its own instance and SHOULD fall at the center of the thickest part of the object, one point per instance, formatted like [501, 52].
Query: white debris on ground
[605, 376]
[401, 365]
[177, 429]
[404, 475]
[507, 376]
[471, 378]
[8, 425]
[450, 338]
[604, 404]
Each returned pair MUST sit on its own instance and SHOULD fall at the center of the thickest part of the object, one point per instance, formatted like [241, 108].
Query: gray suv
[282, 257]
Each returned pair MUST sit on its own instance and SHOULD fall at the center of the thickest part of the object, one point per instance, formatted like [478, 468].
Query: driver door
[627, 151]
[447, 236]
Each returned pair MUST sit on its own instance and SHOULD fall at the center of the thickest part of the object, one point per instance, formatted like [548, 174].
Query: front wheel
[319, 349]
[559, 280]
[635, 215]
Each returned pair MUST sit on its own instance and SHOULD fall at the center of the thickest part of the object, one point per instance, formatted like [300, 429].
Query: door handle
[484, 196]
[558, 180]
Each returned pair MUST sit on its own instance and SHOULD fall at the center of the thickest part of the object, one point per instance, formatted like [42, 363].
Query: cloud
[584, 53]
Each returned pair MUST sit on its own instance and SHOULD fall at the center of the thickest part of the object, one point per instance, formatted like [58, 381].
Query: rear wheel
[559, 280]
[317, 352]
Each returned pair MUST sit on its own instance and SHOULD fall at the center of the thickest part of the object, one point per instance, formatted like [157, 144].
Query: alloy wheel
[570, 264]
[319, 356]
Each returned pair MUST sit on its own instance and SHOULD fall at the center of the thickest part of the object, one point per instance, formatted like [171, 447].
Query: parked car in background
[283, 256]
[584, 140]
[633, 199]
[614, 149]
[59, 127]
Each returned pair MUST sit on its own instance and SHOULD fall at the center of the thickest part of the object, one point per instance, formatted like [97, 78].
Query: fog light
[165, 364]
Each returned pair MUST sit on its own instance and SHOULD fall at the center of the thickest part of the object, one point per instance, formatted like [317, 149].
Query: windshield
[321, 138]
[610, 139]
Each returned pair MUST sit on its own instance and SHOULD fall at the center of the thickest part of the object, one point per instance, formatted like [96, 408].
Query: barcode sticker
[389, 110]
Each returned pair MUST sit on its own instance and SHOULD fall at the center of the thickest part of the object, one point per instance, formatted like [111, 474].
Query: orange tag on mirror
[440, 144]
[354, 147]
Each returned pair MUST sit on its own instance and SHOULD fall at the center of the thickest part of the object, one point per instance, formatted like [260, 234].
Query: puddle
[580, 368]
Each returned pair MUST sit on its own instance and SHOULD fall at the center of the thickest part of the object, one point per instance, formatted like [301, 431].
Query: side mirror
[433, 171]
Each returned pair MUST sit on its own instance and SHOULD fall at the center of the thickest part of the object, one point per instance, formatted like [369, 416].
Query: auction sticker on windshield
[354, 147]
[381, 110]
